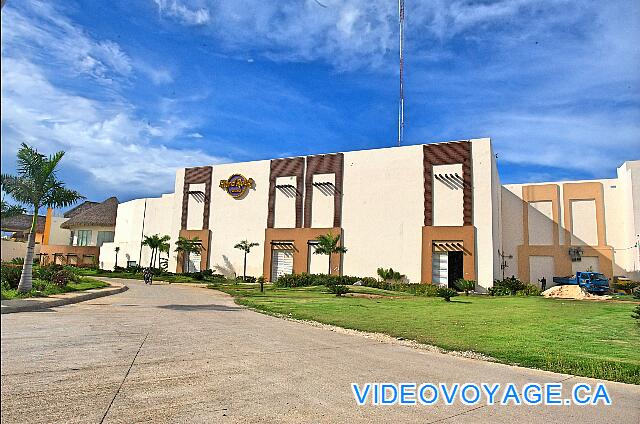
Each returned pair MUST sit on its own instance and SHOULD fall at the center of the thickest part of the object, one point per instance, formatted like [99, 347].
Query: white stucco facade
[392, 207]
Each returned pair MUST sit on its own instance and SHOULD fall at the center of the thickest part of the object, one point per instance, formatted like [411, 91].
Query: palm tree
[37, 185]
[328, 244]
[157, 244]
[185, 246]
[117, 249]
[245, 246]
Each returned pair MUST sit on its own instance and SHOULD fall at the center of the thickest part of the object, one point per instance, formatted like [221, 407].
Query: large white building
[435, 212]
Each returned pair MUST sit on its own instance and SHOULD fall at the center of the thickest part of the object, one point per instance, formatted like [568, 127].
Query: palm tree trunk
[244, 272]
[27, 268]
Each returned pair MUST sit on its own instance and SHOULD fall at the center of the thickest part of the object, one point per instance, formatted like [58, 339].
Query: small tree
[37, 185]
[117, 249]
[157, 244]
[328, 244]
[245, 246]
[446, 293]
[636, 313]
[185, 246]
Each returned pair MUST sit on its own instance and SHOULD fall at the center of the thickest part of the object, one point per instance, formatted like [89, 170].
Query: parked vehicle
[593, 282]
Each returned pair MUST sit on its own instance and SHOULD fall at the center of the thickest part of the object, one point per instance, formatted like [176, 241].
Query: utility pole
[401, 104]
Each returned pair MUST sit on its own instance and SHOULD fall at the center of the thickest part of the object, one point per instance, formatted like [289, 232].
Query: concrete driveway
[183, 354]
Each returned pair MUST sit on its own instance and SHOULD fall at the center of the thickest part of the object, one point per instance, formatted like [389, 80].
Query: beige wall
[383, 211]
[447, 197]
[195, 208]
[322, 210]
[15, 249]
[540, 219]
[285, 208]
[59, 235]
[233, 220]
[583, 219]
[486, 207]
[617, 232]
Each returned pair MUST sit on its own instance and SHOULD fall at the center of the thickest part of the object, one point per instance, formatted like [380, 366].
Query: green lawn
[171, 278]
[43, 288]
[586, 338]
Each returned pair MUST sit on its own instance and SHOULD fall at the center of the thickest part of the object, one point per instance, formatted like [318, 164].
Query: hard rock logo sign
[236, 185]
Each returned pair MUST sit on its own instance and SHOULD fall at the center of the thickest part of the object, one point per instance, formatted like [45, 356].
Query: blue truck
[593, 282]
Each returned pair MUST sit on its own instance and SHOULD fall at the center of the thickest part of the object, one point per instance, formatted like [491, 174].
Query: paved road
[184, 354]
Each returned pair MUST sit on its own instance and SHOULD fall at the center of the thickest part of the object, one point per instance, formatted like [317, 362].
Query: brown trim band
[289, 167]
[324, 164]
[197, 175]
[448, 154]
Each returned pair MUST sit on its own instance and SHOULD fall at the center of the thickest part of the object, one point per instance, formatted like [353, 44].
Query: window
[83, 238]
[104, 237]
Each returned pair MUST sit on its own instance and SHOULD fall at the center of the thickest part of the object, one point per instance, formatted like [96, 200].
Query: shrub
[17, 261]
[63, 277]
[47, 272]
[498, 291]
[529, 290]
[446, 293]
[10, 276]
[636, 294]
[134, 269]
[636, 313]
[260, 281]
[626, 286]
[465, 285]
[390, 274]
[510, 283]
[338, 289]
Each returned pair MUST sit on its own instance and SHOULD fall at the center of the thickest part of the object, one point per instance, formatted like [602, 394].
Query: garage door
[440, 268]
[281, 263]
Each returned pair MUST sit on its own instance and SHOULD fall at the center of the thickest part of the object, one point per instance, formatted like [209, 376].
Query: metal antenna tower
[401, 105]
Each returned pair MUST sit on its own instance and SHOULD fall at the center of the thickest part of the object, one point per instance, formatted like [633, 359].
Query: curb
[35, 304]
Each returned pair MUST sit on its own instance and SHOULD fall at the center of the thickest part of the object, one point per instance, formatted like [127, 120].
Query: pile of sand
[572, 291]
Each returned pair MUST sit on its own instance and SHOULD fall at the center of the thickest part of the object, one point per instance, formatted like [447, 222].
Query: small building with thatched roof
[86, 227]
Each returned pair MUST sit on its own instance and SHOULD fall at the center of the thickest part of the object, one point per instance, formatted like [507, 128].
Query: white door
[192, 262]
[281, 263]
[440, 268]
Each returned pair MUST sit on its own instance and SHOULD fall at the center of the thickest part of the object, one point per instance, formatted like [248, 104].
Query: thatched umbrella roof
[22, 223]
[98, 215]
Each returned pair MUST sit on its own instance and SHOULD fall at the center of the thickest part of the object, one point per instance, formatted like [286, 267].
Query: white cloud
[195, 135]
[106, 141]
[186, 15]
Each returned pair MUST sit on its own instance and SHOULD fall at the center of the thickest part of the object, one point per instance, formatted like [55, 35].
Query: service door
[281, 263]
[440, 268]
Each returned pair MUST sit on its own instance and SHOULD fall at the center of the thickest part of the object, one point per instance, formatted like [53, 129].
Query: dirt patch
[572, 292]
[364, 295]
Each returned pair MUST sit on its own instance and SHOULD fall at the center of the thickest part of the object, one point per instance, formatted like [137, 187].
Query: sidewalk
[38, 303]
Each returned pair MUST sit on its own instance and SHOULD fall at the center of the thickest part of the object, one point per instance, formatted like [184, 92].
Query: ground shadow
[210, 307]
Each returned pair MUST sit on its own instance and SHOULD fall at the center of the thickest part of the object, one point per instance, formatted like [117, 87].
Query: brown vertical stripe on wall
[324, 164]
[197, 175]
[289, 167]
[448, 154]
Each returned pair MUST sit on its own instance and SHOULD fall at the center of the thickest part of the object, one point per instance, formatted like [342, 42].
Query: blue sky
[133, 90]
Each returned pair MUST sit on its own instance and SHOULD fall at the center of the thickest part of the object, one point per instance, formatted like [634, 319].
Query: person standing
[543, 283]
[147, 275]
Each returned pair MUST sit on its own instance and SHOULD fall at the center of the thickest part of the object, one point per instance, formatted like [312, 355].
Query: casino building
[435, 212]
